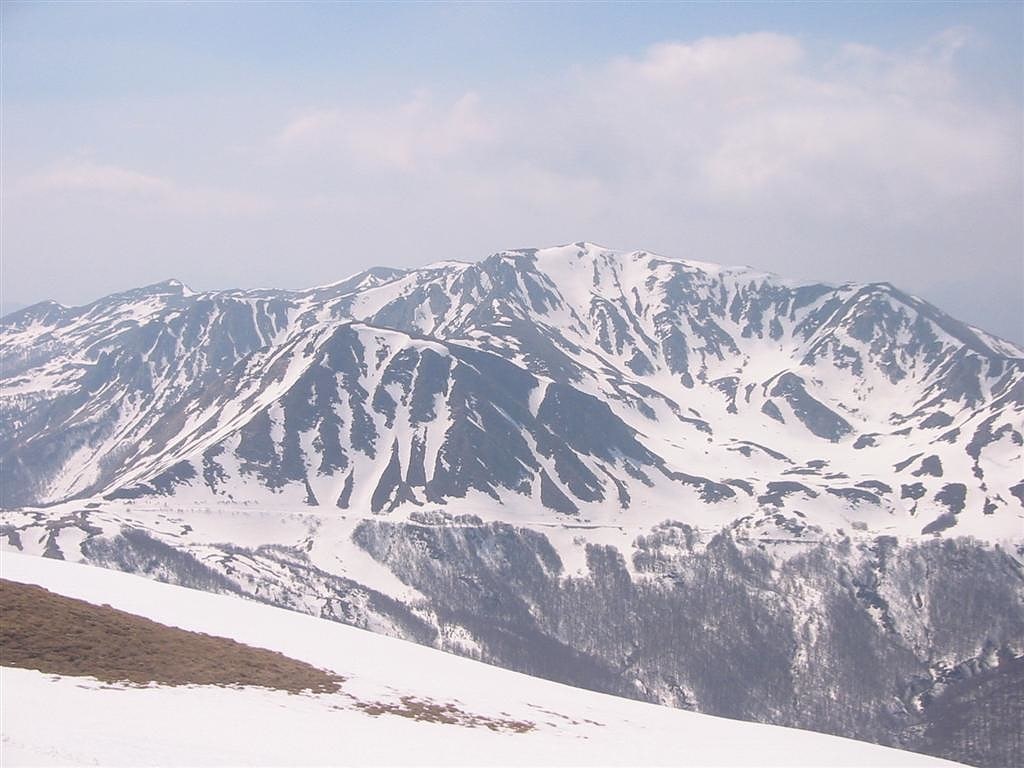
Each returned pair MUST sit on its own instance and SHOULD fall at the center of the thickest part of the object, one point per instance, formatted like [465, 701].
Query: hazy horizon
[285, 146]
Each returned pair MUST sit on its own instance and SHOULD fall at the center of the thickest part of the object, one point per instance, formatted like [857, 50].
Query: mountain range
[705, 486]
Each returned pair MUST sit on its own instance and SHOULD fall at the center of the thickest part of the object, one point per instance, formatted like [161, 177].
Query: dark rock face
[816, 416]
[930, 465]
[777, 491]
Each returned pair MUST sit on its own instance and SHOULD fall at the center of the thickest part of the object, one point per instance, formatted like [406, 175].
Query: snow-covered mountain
[702, 486]
[600, 384]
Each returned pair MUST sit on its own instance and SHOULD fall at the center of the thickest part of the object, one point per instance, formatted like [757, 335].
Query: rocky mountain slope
[599, 383]
[701, 486]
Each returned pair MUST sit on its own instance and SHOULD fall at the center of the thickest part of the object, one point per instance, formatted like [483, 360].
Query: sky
[290, 145]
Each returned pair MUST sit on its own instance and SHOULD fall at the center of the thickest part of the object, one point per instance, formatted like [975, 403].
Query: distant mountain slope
[599, 385]
[399, 703]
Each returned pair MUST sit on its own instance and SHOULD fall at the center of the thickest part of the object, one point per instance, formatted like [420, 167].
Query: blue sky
[91, 51]
[291, 144]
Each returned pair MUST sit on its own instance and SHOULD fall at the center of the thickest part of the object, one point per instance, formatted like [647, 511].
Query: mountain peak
[170, 285]
[43, 311]
[367, 278]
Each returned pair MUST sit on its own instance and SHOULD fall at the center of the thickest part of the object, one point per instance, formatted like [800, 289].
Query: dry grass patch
[60, 635]
[449, 713]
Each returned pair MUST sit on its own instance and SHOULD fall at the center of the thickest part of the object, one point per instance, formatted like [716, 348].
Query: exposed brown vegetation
[60, 635]
[448, 712]
[64, 636]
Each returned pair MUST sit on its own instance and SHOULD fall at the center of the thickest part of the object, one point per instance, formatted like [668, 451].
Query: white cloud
[125, 187]
[753, 118]
[403, 137]
[734, 63]
[750, 120]
[88, 176]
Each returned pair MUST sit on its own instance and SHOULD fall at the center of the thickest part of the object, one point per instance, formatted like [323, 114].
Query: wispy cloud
[405, 136]
[126, 187]
[721, 121]
[754, 115]
[88, 176]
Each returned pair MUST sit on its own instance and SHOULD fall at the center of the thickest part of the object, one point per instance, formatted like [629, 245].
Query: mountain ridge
[713, 352]
[1012, 349]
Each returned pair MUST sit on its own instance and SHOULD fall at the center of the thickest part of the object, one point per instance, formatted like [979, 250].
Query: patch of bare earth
[63, 636]
[435, 712]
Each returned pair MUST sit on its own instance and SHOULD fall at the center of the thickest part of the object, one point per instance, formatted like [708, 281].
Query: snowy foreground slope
[62, 720]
